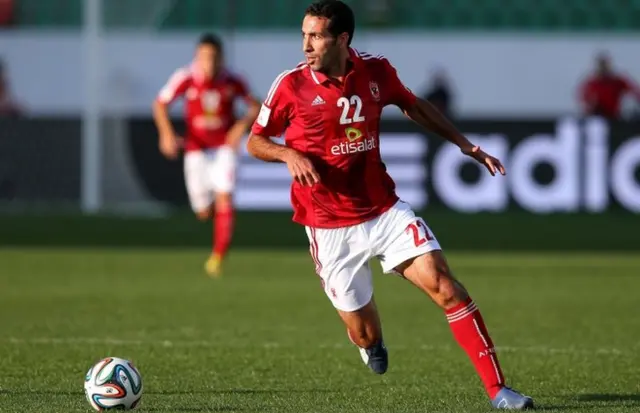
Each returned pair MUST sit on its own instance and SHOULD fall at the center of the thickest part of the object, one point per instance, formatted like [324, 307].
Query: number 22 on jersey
[346, 105]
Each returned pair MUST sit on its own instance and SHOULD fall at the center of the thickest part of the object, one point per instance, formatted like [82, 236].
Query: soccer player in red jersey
[602, 93]
[330, 107]
[212, 139]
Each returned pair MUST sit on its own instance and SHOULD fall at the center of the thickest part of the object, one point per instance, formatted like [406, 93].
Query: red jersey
[337, 126]
[604, 94]
[209, 105]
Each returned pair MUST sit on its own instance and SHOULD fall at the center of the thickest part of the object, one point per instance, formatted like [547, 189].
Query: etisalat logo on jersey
[354, 143]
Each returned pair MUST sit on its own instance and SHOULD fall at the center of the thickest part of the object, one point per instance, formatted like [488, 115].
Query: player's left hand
[492, 164]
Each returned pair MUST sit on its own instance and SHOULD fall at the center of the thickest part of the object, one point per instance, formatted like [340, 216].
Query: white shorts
[342, 255]
[208, 172]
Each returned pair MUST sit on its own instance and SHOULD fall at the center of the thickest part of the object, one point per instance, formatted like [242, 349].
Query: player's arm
[426, 115]
[430, 118]
[265, 149]
[240, 128]
[168, 140]
[631, 87]
[586, 96]
[272, 120]
[300, 167]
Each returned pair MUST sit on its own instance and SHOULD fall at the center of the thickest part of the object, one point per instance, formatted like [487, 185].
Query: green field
[265, 339]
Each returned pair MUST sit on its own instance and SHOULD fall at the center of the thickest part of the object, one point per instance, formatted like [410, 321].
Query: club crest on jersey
[210, 101]
[375, 90]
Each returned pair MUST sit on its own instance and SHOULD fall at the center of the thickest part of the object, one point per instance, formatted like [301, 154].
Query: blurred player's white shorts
[342, 255]
[208, 172]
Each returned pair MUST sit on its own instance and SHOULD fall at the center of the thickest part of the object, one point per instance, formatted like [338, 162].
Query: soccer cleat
[376, 357]
[509, 399]
[213, 266]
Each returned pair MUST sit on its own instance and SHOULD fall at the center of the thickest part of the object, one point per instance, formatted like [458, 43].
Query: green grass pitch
[264, 338]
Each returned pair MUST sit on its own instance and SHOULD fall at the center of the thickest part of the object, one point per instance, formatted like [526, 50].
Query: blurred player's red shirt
[602, 95]
[208, 105]
[337, 127]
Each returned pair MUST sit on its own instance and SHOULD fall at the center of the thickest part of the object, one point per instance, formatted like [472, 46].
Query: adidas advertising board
[560, 165]
[553, 166]
[568, 165]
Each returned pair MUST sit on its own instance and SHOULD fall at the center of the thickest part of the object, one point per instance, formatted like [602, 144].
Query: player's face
[604, 67]
[208, 59]
[321, 48]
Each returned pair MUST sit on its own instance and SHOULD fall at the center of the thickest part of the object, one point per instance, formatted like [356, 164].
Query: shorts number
[415, 228]
[345, 104]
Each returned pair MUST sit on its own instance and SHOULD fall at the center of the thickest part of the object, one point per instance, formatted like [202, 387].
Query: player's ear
[343, 39]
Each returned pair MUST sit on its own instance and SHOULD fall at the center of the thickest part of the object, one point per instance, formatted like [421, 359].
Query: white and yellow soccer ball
[113, 383]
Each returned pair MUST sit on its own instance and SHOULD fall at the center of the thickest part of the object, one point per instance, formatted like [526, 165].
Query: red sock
[222, 231]
[469, 330]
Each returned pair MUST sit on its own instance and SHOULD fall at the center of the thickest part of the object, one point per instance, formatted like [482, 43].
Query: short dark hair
[211, 40]
[339, 14]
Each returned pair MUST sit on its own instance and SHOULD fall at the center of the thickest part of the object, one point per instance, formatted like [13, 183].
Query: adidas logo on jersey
[317, 101]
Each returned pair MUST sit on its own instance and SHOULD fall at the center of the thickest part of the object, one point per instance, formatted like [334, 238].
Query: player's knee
[440, 283]
[448, 294]
[223, 202]
[204, 214]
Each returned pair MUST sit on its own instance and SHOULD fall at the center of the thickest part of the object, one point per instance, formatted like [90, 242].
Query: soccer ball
[113, 383]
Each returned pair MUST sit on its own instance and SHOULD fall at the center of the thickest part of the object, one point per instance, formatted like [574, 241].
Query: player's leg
[416, 255]
[341, 257]
[365, 331]
[197, 183]
[222, 174]
[223, 220]
[430, 272]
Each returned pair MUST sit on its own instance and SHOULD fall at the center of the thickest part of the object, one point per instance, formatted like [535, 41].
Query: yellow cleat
[213, 266]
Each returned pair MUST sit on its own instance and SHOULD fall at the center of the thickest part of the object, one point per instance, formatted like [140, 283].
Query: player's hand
[492, 164]
[170, 146]
[301, 169]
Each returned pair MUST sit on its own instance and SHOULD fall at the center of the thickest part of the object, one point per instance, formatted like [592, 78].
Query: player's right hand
[301, 169]
[170, 146]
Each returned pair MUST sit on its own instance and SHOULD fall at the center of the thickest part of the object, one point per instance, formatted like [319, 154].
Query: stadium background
[514, 69]
[100, 253]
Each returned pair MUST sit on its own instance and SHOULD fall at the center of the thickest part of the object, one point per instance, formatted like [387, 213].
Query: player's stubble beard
[331, 61]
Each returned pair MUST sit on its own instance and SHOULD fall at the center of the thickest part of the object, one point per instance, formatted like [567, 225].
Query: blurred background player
[213, 136]
[440, 93]
[603, 92]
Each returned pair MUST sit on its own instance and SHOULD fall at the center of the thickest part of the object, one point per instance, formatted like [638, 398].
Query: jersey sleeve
[631, 87]
[175, 87]
[397, 93]
[275, 111]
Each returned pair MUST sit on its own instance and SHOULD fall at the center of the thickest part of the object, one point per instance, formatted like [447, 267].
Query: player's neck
[339, 71]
